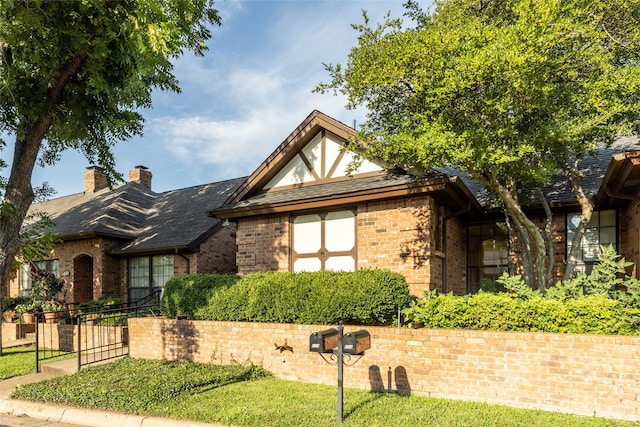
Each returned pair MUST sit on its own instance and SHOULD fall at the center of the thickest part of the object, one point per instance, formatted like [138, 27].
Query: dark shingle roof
[179, 218]
[118, 213]
[329, 189]
[144, 220]
[593, 168]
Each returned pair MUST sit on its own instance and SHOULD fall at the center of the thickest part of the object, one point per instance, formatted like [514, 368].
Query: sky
[243, 98]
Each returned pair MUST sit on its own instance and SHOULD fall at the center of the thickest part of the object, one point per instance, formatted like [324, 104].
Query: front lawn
[18, 361]
[249, 396]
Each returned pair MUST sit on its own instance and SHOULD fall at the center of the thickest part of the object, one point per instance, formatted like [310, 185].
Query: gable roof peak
[294, 142]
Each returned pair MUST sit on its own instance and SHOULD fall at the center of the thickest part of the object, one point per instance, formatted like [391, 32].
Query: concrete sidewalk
[13, 412]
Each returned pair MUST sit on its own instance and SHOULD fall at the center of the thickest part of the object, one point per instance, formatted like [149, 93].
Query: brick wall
[456, 257]
[218, 253]
[397, 235]
[263, 244]
[80, 254]
[581, 374]
[16, 331]
[55, 336]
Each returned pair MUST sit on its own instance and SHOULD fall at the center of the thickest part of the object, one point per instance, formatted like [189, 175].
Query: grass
[18, 361]
[250, 396]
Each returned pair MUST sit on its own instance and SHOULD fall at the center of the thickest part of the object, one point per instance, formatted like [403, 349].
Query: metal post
[340, 366]
[37, 343]
[78, 322]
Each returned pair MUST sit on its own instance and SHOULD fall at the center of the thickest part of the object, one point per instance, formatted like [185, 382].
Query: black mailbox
[356, 342]
[323, 341]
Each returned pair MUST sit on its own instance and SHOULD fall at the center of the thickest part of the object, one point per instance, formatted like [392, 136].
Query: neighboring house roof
[145, 221]
[601, 170]
[118, 213]
[178, 219]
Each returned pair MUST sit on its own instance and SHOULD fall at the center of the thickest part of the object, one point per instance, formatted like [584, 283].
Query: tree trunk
[586, 212]
[18, 195]
[527, 232]
[549, 237]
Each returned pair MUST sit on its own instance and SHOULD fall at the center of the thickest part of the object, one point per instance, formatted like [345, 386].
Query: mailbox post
[337, 344]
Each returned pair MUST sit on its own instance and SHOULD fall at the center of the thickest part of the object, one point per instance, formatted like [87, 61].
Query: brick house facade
[128, 241]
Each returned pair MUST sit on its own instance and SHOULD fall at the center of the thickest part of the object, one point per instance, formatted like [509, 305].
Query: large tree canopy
[510, 91]
[75, 74]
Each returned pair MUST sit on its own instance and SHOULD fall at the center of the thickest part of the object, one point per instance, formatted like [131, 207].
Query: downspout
[186, 260]
[444, 243]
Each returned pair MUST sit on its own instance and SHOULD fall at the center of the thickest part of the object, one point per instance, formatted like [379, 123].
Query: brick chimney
[94, 179]
[142, 175]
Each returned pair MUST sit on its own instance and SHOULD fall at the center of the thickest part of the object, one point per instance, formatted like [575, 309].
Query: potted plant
[51, 310]
[9, 315]
[26, 311]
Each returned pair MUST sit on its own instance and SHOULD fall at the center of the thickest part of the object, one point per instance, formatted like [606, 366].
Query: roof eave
[621, 180]
[452, 187]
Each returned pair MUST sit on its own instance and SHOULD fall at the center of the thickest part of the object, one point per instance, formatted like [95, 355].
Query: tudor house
[300, 210]
[128, 241]
[304, 209]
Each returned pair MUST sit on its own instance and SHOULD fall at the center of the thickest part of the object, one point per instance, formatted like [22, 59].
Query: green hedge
[369, 297]
[184, 295]
[592, 314]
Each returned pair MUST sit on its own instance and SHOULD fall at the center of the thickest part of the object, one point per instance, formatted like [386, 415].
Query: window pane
[608, 218]
[608, 236]
[162, 270]
[573, 221]
[307, 234]
[488, 253]
[307, 264]
[139, 272]
[340, 263]
[340, 231]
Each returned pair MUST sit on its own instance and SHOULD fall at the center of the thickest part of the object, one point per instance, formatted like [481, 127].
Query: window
[601, 231]
[148, 274]
[28, 270]
[487, 253]
[325, 241]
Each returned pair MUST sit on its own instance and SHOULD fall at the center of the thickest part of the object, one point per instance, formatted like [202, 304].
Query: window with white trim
[324, 241]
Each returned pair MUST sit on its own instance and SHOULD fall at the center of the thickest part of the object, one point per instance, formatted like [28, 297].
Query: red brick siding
[582, 374]
[107, 275]
[398, 235]
[456, 257]
[218, 253]
[263, 244]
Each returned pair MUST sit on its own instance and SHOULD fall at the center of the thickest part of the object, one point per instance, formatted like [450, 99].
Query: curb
[89, 417]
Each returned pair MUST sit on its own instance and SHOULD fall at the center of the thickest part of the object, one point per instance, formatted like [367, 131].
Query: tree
[510, 91]
[74, 75]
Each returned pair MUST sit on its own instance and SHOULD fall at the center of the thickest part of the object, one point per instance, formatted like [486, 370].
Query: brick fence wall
[581, 374]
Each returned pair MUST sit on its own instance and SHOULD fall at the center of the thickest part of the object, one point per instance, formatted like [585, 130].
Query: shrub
[603, 302]
[100, 304]
[9, 303]
[593, 314]
[363, 297]
[184, 295]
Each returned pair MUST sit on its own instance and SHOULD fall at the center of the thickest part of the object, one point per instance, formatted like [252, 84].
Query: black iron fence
[95, 335]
